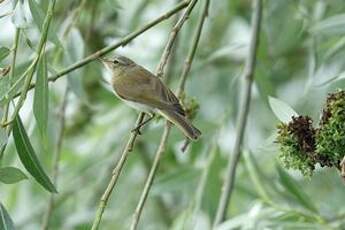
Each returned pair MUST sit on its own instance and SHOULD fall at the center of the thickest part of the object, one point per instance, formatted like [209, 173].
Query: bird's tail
[182, 123]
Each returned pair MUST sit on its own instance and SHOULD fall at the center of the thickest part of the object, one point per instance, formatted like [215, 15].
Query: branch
[165, 135]
[149, 180]
[130, 143]
[61, 114]
[172, 38]
[11, 77]
[116, 45]
[248, 75]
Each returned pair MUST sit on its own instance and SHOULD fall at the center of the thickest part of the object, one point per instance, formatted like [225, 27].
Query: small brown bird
[142, 90]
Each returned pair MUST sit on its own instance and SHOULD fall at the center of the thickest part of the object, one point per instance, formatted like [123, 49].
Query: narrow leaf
[331, 25]
[3, 133]
[281, 109]
[3, 137]
[38, 15]
[4, 52]
[28, 156]
[6, 222]
[41, 97]
[75, 47]
[18, 18]
[256, 177]
[291, 185]
[11, 175]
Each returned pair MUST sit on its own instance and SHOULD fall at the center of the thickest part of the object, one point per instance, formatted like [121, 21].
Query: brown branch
[248, 75]
[165, 135]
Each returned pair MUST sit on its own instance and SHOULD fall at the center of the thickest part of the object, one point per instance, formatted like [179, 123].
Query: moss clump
[330, 136]
[302, 146]
[297, 144]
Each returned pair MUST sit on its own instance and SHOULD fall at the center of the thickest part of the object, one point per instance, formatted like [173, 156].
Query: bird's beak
[106, 62]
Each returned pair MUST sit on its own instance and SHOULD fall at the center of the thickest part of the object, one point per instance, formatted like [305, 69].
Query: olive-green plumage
[144, 91]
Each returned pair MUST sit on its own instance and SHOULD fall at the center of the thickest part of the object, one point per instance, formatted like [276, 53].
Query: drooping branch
[248, 75]
[165, 135]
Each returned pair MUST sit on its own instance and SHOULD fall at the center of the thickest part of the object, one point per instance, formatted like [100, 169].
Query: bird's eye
[116, 61]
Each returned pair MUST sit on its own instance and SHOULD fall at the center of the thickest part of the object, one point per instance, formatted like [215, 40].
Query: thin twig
[11, 77]
[163, 208]
[149, 180]
[248, 75]
[116, 45]
[172, 38]
[165, 135]
[61, 115]
[130, 143]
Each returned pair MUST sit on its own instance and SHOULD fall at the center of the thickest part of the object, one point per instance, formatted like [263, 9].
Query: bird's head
[117, 63]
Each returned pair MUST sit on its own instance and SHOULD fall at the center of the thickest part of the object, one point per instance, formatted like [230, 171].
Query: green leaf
[178, 180]
[4, 52]
[38, 15]
[333, 25]
[256, 176]
[291, 185]
[281, 109]
[18, 18]
[11, 175]
[3, 137]
[6, 222]
[41, 97]
[28, 156]
[75, 47]
[338, 77]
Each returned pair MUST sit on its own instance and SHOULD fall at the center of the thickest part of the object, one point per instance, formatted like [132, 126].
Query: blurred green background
[300, 59]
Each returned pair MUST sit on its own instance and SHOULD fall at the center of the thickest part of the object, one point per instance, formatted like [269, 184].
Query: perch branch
[165, 136]
[248, 75]
[130, 143]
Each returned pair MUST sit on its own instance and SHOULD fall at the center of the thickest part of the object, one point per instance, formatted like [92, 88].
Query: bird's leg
[138, 127]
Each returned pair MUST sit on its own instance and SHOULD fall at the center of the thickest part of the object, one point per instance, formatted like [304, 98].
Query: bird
[143, 91]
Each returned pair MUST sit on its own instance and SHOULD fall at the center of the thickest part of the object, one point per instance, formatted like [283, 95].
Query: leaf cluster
[302, 146]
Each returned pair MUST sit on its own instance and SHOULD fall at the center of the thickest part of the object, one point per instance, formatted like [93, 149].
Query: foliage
[302, 146]
[73, 129]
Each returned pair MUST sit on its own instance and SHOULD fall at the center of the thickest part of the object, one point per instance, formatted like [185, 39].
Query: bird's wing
[142, 86]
